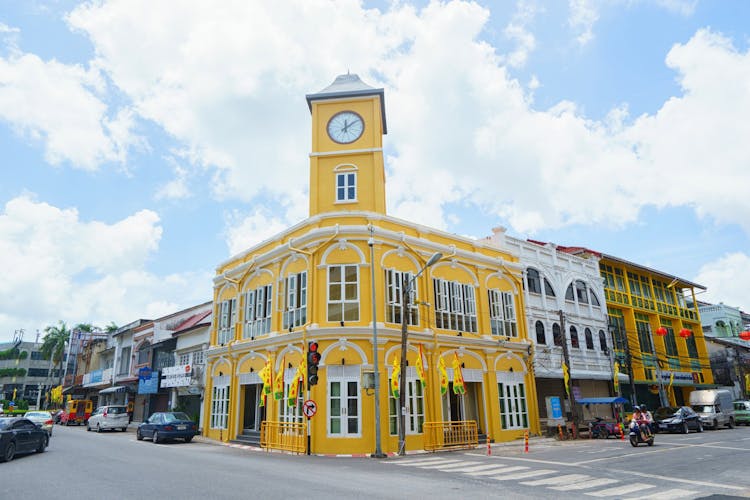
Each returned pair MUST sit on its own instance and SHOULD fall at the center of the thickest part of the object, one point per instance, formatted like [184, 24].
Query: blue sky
[144, 144]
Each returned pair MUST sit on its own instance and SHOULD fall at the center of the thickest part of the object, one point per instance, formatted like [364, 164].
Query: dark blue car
[165, 425]
[20, 435]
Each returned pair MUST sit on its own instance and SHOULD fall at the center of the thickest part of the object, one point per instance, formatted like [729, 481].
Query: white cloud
[245, 230]
[726, 280]
[682, 7]
[56, 266]
[517, 30]
[583, 15]
[460, 128]
[61, 110]
[177, 188]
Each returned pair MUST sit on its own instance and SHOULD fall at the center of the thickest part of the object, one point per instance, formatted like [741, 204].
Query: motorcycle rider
[648, 418]
[639, 421]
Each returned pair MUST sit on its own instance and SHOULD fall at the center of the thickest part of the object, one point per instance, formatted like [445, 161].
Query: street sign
[309, 408]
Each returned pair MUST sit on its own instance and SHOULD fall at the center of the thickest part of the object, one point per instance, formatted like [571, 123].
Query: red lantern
[685, 333]
[661, 331]
[745, 335]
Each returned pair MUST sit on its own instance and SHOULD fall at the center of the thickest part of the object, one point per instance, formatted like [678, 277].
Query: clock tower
[346, 162]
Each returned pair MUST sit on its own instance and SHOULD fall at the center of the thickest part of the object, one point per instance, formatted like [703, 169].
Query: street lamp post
[376, 373]
[406, 288]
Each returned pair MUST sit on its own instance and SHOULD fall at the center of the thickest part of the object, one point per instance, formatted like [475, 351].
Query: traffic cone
[622, 432]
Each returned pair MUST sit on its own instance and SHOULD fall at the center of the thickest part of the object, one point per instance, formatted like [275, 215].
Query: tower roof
[349, 85]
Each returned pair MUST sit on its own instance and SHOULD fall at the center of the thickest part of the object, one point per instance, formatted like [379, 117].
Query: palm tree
[53, 344]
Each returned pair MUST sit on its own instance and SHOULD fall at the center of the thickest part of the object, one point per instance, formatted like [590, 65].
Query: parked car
[20, 435]
[109, 417]
[167, 425]
[41, 417]
[742, 412]
[673, 419]
[714, 406]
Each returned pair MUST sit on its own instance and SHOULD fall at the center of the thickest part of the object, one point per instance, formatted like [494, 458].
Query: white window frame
[227, 320]
[199, 357]
[342, 301]
[295, 300]
[456, 306]
[184, 359]
[414, 403]
[502, 313]
[258, 305]
[394, 284]
[220, 405]
[343, 375]
[513, 402]
[349, 183]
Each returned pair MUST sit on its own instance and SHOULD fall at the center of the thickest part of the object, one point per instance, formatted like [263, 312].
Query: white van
[714, 406]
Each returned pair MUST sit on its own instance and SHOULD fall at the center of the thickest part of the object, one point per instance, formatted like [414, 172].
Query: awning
[600, 401]
[115, 388]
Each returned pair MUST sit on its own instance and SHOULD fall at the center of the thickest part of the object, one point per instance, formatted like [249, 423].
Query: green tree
[54, 343]
[111, 327]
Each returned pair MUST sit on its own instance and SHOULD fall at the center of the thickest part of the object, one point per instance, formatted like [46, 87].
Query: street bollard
[559, 431]
[525, 441]
[489, 450]
[622, 432]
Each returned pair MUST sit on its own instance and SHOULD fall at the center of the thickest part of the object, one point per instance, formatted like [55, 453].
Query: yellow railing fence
[450, 435]
[285, 436]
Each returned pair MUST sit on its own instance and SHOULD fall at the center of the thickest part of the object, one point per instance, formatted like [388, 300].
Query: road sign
[309, 408]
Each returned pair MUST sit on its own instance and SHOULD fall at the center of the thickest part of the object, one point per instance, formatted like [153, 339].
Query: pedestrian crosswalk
[552, 479]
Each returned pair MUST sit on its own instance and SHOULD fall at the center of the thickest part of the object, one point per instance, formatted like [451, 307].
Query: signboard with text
[176, 376]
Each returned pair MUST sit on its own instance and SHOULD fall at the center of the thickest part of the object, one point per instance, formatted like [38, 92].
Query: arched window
[574, 338]
[548, 288]
[556, 334]
[594, 299]
[603, 342]
[143, 352]
[532, 280]
[577, 291]
[589, 339]
[541, 337]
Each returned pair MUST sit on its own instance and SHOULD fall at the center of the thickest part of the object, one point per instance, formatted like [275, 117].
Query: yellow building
[654, 315]
[321, 281]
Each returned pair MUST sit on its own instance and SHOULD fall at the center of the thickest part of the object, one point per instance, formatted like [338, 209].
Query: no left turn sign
[309, 408]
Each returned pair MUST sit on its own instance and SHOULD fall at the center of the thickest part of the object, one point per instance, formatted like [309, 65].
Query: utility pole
[566, 360]
[662, 395]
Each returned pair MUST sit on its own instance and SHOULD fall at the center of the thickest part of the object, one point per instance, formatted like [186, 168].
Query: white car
[109, 417]
[41, 417]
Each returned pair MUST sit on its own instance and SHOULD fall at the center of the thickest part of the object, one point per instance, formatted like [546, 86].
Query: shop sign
[176, 376]
[148, 385]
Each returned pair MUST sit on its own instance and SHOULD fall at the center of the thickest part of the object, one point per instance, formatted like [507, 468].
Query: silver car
[41, 417]
[109, 417]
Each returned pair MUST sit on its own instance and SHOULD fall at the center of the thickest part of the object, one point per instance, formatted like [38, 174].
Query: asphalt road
[115, 465]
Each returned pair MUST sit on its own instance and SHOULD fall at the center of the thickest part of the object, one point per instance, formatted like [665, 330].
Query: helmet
[643, 408]
[636, 408]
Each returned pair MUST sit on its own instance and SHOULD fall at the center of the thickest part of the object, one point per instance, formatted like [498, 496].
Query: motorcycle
[638, 436]
[602, 430]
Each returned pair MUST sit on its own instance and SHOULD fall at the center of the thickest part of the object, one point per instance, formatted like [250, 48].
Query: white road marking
[477, 468]
[594, 483]
[686, 481]
[558, 480]
[419, 461]
[496, 471]
[523, 475]
[451, 463]
[620, 490]
[669, 494]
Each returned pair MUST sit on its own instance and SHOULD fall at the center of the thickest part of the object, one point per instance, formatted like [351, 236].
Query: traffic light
[313, 358]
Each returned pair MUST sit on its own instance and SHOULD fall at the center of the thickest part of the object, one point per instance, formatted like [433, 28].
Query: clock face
[345, 127]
